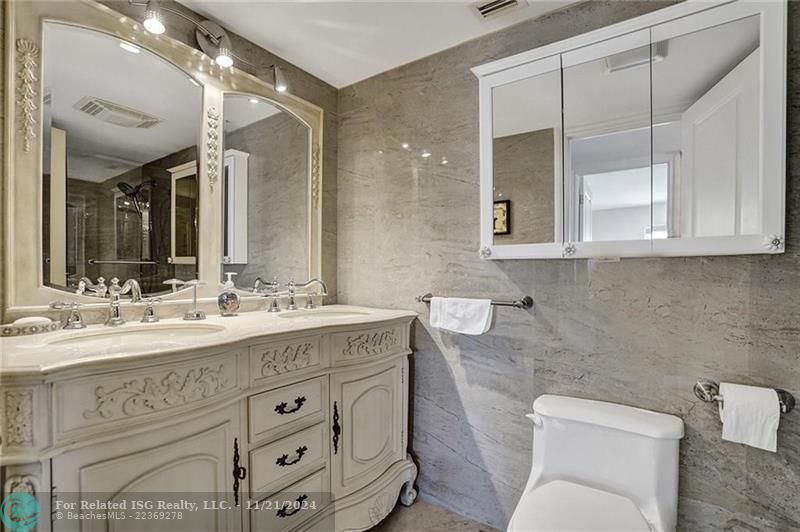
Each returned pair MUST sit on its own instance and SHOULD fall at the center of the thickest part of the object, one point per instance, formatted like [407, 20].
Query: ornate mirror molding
[23, 211]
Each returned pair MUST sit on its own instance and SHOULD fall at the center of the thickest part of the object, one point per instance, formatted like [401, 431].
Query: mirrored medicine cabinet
[659, 136]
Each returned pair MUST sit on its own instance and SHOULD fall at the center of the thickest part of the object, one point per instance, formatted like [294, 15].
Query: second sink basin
[150, 333]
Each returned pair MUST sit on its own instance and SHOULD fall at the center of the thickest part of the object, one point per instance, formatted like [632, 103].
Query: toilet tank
[620, 449]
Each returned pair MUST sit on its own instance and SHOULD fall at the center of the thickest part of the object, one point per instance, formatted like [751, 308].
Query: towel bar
[525, 303]
[708, 391]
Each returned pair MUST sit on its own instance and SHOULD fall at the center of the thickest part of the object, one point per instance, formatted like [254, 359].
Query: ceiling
[342, 42]
[594, 97]
[97, 150]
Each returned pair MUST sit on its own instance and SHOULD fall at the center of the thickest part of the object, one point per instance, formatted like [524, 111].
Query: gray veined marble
[637, 332]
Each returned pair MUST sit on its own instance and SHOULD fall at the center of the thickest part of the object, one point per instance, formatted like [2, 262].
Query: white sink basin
[148, 334]
[322, 313]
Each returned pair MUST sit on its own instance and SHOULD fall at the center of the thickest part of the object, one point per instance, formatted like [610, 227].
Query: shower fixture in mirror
[266, 179]
[113, 203]
[117, 165]
[659, 136]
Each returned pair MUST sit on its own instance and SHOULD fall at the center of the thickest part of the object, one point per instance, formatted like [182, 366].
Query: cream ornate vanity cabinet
[316, 414]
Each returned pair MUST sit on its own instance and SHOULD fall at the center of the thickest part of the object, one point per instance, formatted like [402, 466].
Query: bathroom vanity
[306, 406]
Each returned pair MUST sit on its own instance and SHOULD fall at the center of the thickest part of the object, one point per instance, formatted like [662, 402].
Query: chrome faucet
[100, 289]
[272, 293]
[310, 302]
[116, 291]
[290, 305]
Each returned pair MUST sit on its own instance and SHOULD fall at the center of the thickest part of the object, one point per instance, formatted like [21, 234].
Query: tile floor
[426, 517]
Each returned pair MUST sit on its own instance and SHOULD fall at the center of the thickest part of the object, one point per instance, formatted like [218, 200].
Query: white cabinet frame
[236, 175]
[674, 21]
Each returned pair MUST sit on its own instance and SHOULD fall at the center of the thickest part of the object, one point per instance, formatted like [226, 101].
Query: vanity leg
[408, 493]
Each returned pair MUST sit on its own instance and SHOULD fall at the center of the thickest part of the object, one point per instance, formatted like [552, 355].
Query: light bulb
[153, 20]
[280, 81]
[224, 58]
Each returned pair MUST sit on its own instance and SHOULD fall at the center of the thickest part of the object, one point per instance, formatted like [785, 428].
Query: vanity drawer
[369, 343]
[290, 457]
[103, 402]
[279, 358]
[289, 407]
[290, 507]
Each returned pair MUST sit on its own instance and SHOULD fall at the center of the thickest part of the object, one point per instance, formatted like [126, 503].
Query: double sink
[161, 333]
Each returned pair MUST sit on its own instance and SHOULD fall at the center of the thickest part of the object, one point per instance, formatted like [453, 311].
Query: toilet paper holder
[708, 391]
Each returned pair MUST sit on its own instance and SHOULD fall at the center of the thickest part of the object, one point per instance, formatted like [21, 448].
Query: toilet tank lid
[611, 415]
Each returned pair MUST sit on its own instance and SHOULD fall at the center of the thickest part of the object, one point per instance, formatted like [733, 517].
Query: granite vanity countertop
[39, 355]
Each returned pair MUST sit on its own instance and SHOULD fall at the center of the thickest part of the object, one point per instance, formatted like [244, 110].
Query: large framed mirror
[119, 162]
[672, 138]
[127, 175]
[266, 222]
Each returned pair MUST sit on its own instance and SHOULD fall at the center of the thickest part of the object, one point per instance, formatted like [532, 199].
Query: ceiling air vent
[115, 113]
[494, 8]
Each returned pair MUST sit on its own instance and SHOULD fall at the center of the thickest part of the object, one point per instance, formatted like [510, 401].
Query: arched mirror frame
[24, 288]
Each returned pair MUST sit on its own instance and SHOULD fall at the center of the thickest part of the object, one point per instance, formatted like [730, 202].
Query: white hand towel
[750, 415]
[465, 316]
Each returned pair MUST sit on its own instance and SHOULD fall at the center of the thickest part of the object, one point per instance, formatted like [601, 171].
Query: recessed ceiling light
[405, 145]
[425, 154]
[444, 160]
[128, 47]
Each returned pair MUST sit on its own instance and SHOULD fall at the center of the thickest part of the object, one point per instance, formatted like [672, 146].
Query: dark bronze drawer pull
[239, 471]
[281, 408]
[298, 506]
[283, 461]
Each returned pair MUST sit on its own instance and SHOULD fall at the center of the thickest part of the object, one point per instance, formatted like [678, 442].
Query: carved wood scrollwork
[21, 484]
[370, 344]
[134, 398]
[290, 358]
[27, 92]
[212, 146]
[19, 417]
[380, 508]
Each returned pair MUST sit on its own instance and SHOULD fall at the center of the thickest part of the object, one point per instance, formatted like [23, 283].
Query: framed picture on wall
[502, 217]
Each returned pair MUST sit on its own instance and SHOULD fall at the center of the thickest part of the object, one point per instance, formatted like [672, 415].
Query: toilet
[600, 466]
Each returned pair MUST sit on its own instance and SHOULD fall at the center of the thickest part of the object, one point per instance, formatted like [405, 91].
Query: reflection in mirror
[117, 118]
[607, 148]
[526, 132]
[266, 197]
[706, 115]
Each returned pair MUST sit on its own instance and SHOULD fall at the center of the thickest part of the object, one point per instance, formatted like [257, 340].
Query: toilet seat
[565, 506]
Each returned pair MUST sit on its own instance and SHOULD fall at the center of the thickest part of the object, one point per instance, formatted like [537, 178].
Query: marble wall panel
[638, 331]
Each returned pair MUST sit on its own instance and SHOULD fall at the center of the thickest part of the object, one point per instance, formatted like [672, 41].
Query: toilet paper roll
[750, 415]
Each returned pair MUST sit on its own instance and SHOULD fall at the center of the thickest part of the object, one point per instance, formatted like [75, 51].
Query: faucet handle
[74, 319]
[114, 288]
[149, 314]
[100, 288]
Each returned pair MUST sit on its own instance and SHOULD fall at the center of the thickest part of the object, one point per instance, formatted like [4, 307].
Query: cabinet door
[368, 408]
[189, 462]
